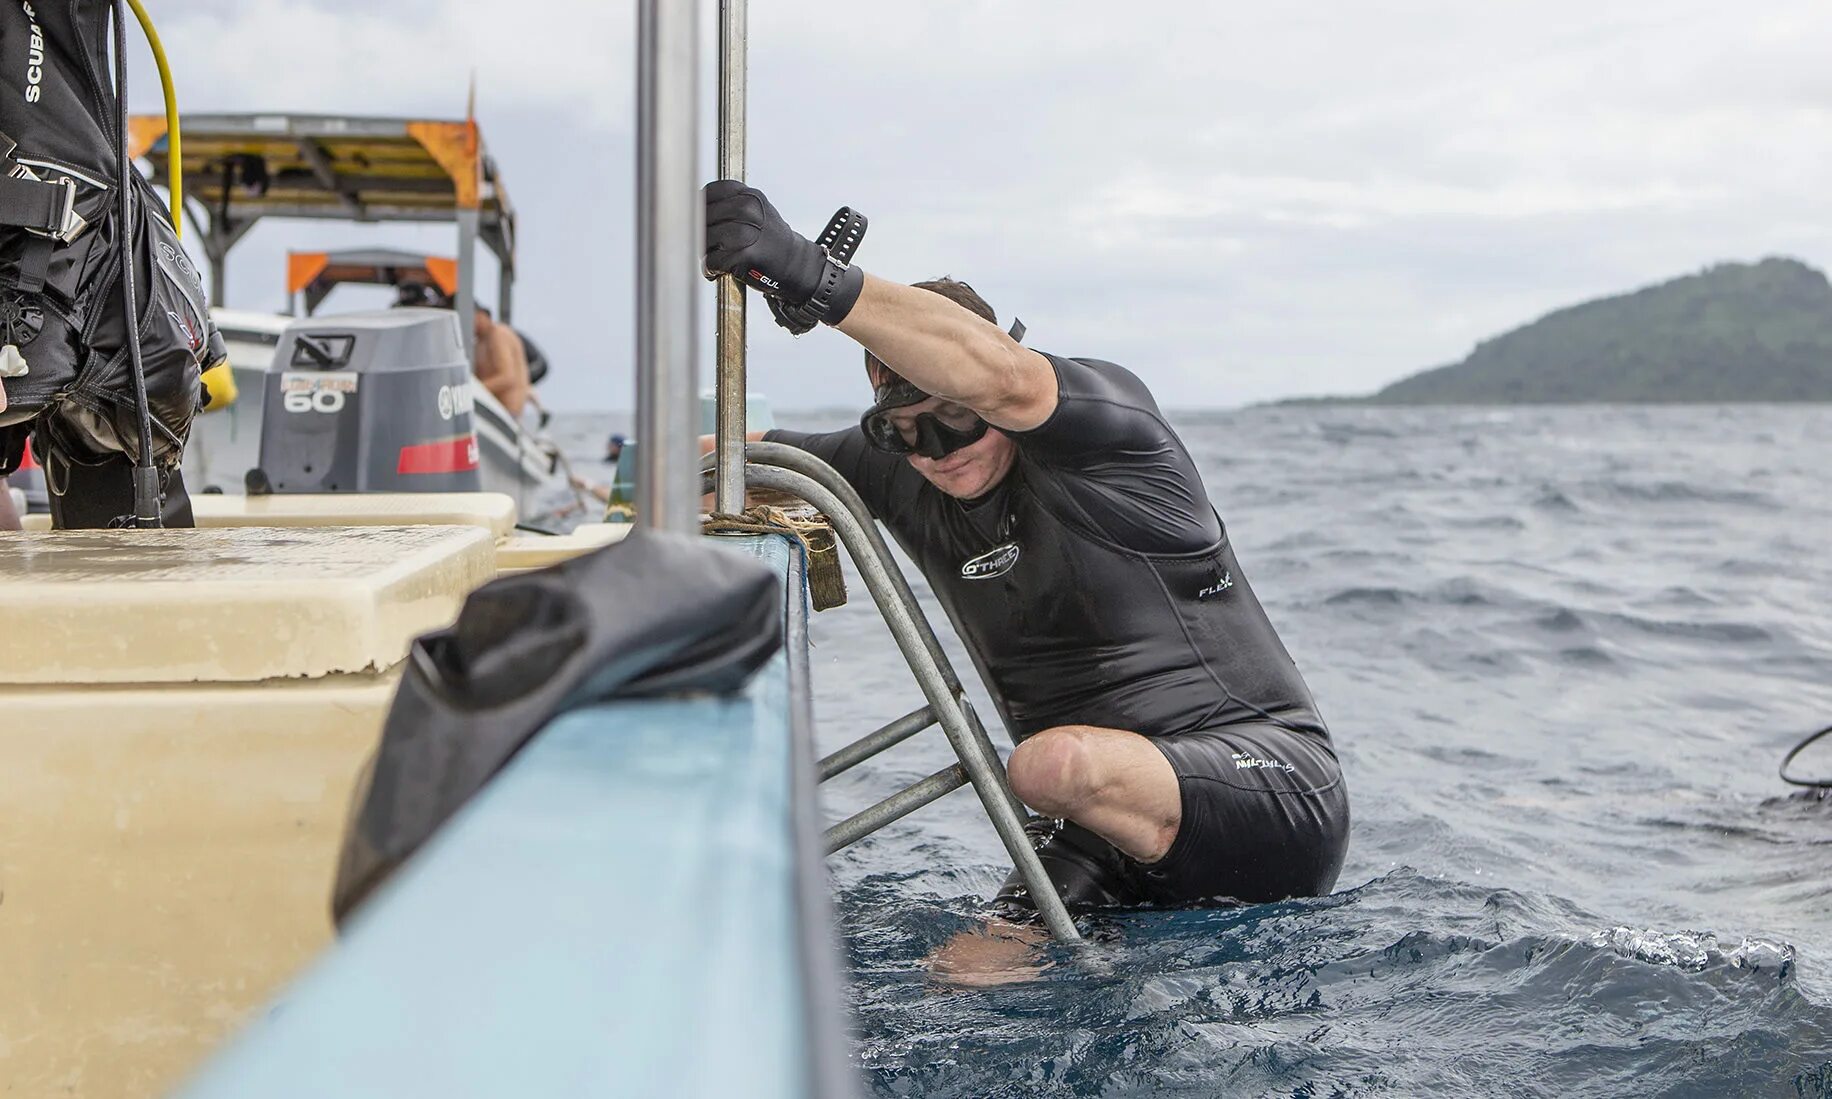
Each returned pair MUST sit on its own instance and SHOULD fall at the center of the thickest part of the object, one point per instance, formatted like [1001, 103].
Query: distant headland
[1732, 332]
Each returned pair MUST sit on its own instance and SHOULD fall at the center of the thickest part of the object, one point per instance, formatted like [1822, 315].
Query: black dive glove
[804, 282]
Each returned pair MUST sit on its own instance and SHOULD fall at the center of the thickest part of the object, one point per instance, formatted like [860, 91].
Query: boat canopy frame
[311, 276]
[244, 167]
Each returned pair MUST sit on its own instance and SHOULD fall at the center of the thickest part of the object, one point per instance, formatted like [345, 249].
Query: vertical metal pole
[670, 225]
[219, 279]
[728, 477]
[466, 303]
[218, 253]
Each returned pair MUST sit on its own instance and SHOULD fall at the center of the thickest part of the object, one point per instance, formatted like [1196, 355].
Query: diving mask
[931, 435]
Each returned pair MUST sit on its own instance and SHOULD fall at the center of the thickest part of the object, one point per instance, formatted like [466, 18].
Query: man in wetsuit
[1165, 737]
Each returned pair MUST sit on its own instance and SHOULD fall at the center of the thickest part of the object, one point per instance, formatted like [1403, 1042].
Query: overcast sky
[1239, 202]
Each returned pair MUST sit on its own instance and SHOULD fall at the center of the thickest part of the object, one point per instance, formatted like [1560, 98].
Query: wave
[1408, 985]
[1679, 492]
[1460, 591]
[1693, 951]
[1735, 633]
[1586, 656]
[1551, 498]
[1386, 597]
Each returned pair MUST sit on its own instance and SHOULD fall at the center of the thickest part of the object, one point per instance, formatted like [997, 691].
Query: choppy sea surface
[1562, 651]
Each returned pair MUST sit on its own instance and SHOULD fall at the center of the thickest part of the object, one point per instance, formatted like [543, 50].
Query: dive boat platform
[635, 905]
[186, 715]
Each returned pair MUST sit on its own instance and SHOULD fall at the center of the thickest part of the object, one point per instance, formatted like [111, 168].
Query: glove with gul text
[806, 283]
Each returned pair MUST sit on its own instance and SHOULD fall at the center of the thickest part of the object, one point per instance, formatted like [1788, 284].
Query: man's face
[971, 471]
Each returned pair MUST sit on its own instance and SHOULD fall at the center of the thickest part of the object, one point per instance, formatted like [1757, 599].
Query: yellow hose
[175, 147]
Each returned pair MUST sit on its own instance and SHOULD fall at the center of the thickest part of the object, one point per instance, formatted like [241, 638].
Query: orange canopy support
[444, 271]
[302, 268]
[454, 145]
[316, 274]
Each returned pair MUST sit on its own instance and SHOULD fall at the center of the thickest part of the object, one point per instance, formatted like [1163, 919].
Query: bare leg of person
[1114, 783]
[1001, 953]
[1109, 781]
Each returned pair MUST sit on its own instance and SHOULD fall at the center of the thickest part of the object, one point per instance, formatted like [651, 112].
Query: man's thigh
[1265, 816]
[1112, 782]
[1260, 815]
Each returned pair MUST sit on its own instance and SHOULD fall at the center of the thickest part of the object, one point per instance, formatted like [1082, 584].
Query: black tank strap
[29, 261]
[45, 207]
[35, 204]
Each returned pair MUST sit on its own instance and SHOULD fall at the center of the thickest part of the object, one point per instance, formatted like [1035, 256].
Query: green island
[1733, 332]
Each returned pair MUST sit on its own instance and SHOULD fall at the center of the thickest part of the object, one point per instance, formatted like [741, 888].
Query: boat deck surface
[227, 603]
[635, 906]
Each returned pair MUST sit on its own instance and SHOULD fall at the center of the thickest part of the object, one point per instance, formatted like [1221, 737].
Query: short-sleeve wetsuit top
[1095, 584]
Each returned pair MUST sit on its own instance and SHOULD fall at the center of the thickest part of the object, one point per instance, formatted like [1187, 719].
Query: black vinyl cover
[58, 104]
[655, 614]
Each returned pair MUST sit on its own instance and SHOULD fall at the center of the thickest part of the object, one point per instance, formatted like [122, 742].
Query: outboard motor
[369, 402]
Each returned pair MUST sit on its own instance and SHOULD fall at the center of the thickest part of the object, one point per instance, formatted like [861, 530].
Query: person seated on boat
[500, 361]
[1164, 736]
[502, 364]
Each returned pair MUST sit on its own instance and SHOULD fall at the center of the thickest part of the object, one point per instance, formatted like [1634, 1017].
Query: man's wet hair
[955, 291]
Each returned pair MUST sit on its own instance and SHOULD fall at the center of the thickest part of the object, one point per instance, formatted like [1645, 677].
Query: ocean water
[1562, 651]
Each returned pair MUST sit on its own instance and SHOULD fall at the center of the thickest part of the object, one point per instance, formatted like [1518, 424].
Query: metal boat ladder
[789, 469]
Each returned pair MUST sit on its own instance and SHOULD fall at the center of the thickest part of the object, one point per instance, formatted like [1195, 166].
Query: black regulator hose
[1809, 783]
[146, 473]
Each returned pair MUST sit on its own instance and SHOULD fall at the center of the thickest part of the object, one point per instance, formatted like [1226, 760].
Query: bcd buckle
[63, 224]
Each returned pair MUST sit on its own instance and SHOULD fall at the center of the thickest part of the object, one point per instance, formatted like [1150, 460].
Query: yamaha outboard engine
[369, 402]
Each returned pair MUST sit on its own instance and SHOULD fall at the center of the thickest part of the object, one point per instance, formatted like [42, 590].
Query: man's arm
[941, 347]
[953, 354]
[501, 366]
[513, 375]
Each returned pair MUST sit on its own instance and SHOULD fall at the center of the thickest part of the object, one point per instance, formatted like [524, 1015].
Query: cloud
[404, 58]
[1238, 201]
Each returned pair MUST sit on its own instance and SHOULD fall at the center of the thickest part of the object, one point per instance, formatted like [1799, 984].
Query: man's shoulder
[1098, 404]
[1084, 380]
[1105, 378]
[1111, 463]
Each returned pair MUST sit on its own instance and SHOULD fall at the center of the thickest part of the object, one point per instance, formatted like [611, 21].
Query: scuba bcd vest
[64, 356]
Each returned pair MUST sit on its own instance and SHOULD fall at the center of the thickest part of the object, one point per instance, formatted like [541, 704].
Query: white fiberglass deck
[228, 603]
[634, 906]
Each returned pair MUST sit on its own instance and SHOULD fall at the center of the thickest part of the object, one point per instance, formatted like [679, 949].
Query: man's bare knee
[1054, 772]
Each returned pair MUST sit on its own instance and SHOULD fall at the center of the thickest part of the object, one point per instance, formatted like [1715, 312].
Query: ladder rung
[872, 743]
[900, 804]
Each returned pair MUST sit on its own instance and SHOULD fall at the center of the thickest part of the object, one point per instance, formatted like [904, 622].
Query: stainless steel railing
[731, 394]
[670, 225]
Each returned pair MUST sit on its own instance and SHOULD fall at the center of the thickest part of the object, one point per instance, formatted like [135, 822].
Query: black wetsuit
[1096, 586]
